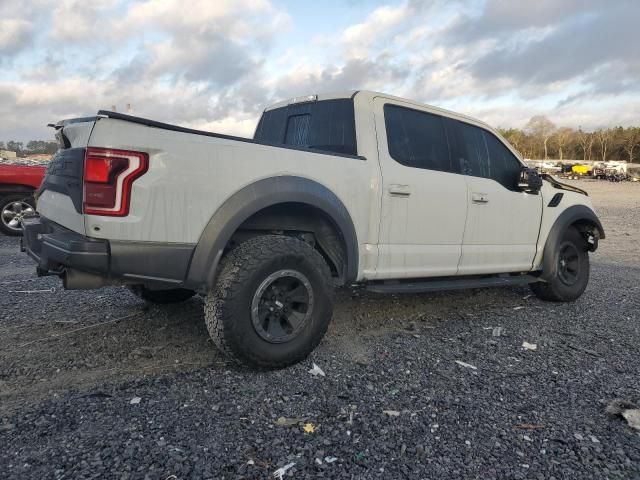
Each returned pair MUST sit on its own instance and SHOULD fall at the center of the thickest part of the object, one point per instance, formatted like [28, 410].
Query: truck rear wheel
[272, 302]
[12, 208]
[572, 270]
[175, 295]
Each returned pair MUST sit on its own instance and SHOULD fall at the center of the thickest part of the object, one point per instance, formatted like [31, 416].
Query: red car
[17, 186]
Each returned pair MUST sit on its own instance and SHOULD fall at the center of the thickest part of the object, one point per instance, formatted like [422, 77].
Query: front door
[424, 203]
[503, 222]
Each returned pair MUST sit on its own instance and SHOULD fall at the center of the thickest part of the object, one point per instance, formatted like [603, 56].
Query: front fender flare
[253, 198]
[572, 215]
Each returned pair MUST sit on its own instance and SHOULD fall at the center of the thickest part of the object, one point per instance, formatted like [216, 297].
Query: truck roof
[317, 96]
[370, 94]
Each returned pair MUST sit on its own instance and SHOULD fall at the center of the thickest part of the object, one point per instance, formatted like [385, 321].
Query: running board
[453, 284]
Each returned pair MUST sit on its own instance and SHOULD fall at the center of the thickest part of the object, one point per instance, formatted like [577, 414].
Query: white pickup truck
[357, 187]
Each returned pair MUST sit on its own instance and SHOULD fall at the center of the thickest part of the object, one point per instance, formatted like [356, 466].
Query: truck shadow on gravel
[55, 341]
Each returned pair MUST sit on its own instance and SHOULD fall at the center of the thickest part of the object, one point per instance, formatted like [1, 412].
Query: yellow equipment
[582, 169]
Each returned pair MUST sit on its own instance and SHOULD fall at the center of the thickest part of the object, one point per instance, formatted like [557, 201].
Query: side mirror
[530, 180]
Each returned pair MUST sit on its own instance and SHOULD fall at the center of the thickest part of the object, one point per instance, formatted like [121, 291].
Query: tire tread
[236, 270]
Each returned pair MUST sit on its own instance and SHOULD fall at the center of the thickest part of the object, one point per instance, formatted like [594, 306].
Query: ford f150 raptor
[332, 190]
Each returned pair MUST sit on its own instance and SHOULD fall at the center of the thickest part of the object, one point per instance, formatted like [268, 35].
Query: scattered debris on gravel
[626, 410]
[316, 371]
[98, 384]
[466, 365]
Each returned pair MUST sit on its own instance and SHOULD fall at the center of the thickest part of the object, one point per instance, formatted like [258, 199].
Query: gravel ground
[98, 385]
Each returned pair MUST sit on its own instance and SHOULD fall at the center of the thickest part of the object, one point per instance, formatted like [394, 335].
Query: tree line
[539, 139]
[542, 139]
[32, 147]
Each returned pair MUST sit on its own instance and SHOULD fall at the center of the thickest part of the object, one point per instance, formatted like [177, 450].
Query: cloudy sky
[215, 64]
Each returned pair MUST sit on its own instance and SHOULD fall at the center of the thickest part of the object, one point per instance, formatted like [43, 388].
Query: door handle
[397, 190]
[480, 197]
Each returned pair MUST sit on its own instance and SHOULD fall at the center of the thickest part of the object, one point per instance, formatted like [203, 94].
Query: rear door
[424, 202]
[60, 196]
[503, 222]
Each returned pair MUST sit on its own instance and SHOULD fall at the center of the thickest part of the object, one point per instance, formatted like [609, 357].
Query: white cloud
[79, 20]
[359, 38]
[237, 19]
[14, 33]
[242, 127]
[216, 64]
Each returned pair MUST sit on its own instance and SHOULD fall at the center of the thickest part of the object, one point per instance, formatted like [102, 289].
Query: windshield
[327, 125]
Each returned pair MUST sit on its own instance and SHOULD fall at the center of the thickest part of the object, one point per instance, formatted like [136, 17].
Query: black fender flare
[253, 198]
[573, 214]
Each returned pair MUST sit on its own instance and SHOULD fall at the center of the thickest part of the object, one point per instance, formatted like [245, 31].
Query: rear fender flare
[253, 198]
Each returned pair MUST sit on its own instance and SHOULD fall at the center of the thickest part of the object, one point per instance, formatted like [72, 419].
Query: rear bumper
[57, 250]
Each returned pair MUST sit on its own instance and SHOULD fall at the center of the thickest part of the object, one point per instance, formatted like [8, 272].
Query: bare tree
[631, 138]
[541, 128]
[586, 143]
[562, 136]
[604, 136]
[515, 137]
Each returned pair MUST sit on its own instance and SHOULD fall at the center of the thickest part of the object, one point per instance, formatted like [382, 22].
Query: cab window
[505, 167]
[480, 153]
[417, 139]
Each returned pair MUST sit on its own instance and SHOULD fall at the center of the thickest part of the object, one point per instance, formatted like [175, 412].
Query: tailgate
[60, 196]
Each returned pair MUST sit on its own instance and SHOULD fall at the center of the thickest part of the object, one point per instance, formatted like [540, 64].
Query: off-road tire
[6, 199]
[175, 295]
[557, 290]
[228, 311]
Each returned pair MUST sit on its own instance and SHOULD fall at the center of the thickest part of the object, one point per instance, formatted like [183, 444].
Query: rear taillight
[108, 175]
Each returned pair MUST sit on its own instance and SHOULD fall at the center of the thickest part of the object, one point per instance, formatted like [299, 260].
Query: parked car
[17, 186]
[333, 190]
[550, 167]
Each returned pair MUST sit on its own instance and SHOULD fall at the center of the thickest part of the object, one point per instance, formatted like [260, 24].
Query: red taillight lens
[99, 169]
[108, 175]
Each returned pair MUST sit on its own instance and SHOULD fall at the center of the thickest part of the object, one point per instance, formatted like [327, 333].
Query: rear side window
[417, 139]
[479, 153]
[327, 125]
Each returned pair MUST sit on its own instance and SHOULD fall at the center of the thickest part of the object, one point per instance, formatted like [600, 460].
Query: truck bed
[176, 128]
[191, 174]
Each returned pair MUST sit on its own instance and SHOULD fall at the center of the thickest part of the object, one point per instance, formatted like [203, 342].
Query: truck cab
[335, 189]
